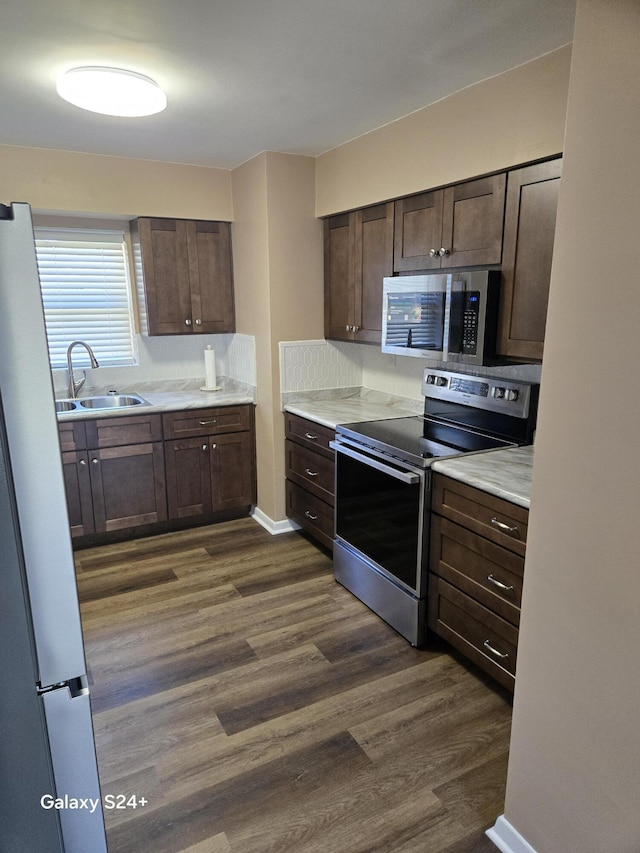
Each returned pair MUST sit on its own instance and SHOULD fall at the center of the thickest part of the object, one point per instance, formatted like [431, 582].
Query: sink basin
[106, 401]
[112, 401]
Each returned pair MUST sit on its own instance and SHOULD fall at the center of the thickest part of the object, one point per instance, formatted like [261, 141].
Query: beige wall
[89, 183]
[574, 780]
[512, 118]
[277, 245]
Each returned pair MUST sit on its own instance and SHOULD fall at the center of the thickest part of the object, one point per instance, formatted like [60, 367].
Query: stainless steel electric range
[383, 485]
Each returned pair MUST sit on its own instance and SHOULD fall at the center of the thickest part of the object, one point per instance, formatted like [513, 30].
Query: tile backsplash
[318, 365]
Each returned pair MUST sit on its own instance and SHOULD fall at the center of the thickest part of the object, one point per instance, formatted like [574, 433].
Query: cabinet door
[418, 231]
[128, 486]
[472, 219]
[211, 277]
[339, 237]
[232, 471]
[529, 230]
[75, 467]
[165, 266]
[373, 261]
[188, 477]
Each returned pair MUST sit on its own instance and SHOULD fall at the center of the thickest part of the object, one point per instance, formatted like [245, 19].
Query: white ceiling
[245, 76]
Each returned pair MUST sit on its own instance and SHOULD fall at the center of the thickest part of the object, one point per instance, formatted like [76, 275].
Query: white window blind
[86, 294]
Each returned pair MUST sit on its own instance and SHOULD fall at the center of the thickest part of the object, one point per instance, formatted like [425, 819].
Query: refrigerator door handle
[76, 686]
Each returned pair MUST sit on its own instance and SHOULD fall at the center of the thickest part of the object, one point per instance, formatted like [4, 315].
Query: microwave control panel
[470, 323]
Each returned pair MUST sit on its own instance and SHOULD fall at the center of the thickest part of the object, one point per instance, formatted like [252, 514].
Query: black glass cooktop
[417, 439]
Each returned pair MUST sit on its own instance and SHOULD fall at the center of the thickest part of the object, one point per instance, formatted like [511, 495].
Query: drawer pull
[495, 652]
[501, 586]
[502, 526]
[208, 423]
[311, 516]
[311, 436]
[310, 473]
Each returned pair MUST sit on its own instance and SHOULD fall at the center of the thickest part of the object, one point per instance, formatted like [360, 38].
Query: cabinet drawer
[72, 436]
[311, 513]
[206, 421]
[498, 520]
[310, 470]
[117, 431]
[486, 571]
[483, 637]
[309, 433]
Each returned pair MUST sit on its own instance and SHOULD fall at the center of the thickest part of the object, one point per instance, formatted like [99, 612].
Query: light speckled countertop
[170, 396]
[504, 473]
[349, 405]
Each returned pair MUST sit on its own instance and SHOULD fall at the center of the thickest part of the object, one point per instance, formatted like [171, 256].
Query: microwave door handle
[403, 476]
[447, 320]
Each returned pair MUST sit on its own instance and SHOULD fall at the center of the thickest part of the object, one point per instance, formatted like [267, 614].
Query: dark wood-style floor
[259, 707]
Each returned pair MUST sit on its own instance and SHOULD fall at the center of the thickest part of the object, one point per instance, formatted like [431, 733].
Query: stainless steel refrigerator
[48, 771]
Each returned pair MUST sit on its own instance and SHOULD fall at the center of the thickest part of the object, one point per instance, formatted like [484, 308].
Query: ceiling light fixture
[111, 91]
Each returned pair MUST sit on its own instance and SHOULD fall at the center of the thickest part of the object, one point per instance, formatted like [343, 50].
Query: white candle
[210, 368]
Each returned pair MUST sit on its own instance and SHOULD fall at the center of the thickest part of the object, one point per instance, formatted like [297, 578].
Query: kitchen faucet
[74, 386]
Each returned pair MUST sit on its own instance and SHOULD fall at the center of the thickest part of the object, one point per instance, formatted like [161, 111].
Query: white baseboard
[274, 527]
[507, 839]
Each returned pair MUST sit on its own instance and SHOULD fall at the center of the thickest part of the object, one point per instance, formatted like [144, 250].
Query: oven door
[379, 512]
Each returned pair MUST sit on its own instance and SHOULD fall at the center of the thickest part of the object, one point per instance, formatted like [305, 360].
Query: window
[84, 280]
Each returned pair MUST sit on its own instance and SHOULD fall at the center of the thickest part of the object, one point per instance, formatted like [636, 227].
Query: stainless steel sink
[112, 401]
[106, 401]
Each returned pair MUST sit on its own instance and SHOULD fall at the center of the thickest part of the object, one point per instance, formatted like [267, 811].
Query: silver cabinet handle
[95, 461]
[356, 328]
[502, 526]
[198, 322]
[347, 328]
[443, 252]
[208, 423]
[501, 586]
[204, 447]
[187, 322]
[214, 446]
[311, 436]
[310, 473]
[82, 462]
[433, 253]
[495, 652]
[311, 516]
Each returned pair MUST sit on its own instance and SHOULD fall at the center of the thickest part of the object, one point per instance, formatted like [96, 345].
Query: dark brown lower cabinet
[476, 573]
[127, 486]
[210, 473]
[118, 482]
[114, 488]
[310, 467]
[129, 478]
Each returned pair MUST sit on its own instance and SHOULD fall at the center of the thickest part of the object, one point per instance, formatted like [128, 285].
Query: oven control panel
[497, 394]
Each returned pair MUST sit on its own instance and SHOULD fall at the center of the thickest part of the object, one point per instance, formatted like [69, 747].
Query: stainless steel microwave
[451, 317]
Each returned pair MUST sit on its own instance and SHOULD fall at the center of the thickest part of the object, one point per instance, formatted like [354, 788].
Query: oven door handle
[403, 476]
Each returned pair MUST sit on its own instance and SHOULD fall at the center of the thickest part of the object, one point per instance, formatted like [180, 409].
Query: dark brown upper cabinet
[187, 274]
[529, 230]
[457, 226]
[358, 254]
